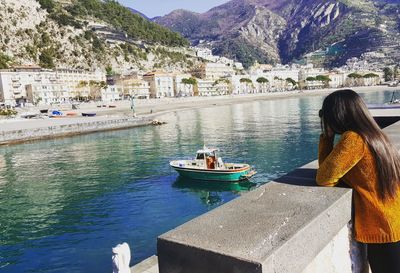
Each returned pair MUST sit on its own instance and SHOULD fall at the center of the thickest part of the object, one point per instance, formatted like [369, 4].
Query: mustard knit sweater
[352, 162]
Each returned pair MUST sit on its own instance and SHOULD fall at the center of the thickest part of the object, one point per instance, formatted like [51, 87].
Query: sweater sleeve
[344, 156]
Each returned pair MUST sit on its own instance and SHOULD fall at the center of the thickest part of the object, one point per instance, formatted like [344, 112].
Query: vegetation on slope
[120, 17]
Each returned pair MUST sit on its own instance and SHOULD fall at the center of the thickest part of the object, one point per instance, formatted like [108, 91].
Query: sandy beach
[152, 108]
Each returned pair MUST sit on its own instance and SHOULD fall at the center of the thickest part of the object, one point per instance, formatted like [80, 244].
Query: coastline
[14, 131]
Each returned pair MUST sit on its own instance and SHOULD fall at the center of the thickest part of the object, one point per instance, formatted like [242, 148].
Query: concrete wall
[44, 131]
[290, 225]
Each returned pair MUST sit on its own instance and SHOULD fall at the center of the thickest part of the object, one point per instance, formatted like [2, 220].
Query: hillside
[284, 31]
[88, 34]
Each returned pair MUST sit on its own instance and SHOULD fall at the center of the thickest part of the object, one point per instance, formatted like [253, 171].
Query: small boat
[29, 115]
[44, 111]
[55, 114]
[88, 114]
[209, 166]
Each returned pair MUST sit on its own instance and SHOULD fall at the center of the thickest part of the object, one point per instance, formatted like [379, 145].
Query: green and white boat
[209, 166]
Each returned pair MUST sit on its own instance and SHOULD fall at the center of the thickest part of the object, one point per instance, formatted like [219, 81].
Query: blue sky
[152, 8]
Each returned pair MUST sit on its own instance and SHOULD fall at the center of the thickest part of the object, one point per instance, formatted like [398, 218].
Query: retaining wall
[72, 128]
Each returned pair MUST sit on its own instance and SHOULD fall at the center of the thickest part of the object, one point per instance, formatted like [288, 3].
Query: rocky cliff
[90, 34]
[283, 31]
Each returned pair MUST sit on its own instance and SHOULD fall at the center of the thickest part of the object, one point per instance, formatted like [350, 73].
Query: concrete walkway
[150, 265]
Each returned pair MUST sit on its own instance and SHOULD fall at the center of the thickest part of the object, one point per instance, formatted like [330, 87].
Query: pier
[287, 225]
[28, 130]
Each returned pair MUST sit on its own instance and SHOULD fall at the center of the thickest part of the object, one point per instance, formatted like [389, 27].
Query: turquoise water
[65, 203]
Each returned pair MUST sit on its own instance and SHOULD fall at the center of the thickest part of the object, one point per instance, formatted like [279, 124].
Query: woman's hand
[328, 132]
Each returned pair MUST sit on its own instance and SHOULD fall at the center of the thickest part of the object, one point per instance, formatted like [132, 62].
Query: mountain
[87, 34]
[138, 13]
[271, 31]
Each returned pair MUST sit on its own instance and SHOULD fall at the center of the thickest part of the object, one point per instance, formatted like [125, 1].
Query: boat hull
[215, 175]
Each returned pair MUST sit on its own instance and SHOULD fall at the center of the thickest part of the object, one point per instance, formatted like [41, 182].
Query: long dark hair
[345, 110]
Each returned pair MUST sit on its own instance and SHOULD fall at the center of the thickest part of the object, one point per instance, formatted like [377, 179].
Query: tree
[355, 76]
[311, 79]
[47, 5]
[262, 80]
[191, 81]
[354, 79]
[4, 61]
[388, 74]
[370, 75]
[290, 80]
[246, 80]
[46, 59]
[109, 70]
[95, 89]
[323, 78]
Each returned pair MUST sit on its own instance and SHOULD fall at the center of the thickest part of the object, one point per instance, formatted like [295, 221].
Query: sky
[153, 8]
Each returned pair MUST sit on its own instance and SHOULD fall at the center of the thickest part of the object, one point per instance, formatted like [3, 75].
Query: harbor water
[64, 203]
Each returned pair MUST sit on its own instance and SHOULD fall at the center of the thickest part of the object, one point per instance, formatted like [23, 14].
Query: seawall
[46, 129]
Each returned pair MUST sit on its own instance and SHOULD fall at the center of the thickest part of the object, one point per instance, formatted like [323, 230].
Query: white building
[309, 71]
[73, 79]
[161, 84]
[212, 88]
[111, 93]
[338, 79]
[132, 86]
[203, 52]
[182, 89]
[241, 84]
[47, 93]
[213, 71]
[14, 83]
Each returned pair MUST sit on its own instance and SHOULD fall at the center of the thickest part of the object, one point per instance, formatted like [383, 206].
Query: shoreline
[16, 131]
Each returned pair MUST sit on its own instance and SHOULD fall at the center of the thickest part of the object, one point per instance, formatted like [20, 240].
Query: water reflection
[209, 191]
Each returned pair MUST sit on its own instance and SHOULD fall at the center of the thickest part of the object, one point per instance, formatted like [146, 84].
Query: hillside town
[216, 76]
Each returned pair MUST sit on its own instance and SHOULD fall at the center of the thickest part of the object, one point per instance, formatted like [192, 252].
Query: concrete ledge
[69, 128]
[279, 227]
[150, 265]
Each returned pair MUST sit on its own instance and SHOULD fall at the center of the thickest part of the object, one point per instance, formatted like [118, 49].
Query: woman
[364, 159]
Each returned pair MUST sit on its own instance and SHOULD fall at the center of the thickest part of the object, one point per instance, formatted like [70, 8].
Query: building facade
[161, 84]
[61, 85]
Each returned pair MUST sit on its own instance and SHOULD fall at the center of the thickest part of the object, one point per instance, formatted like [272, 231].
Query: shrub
[7, 112]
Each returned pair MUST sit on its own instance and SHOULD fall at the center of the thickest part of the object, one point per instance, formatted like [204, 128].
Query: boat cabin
[210, 157]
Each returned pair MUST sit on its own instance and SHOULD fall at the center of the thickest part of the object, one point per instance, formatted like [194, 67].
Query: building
[161, 84]
[213, 71]
[310, 71]
[15, 82]
[47, 93]
[212, 88]
[111, 93]
[131, 86]
[79, 82]
[182, 89]
[242, 84]
[338, 79]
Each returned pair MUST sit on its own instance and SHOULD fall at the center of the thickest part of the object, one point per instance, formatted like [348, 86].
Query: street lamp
[133, 105]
